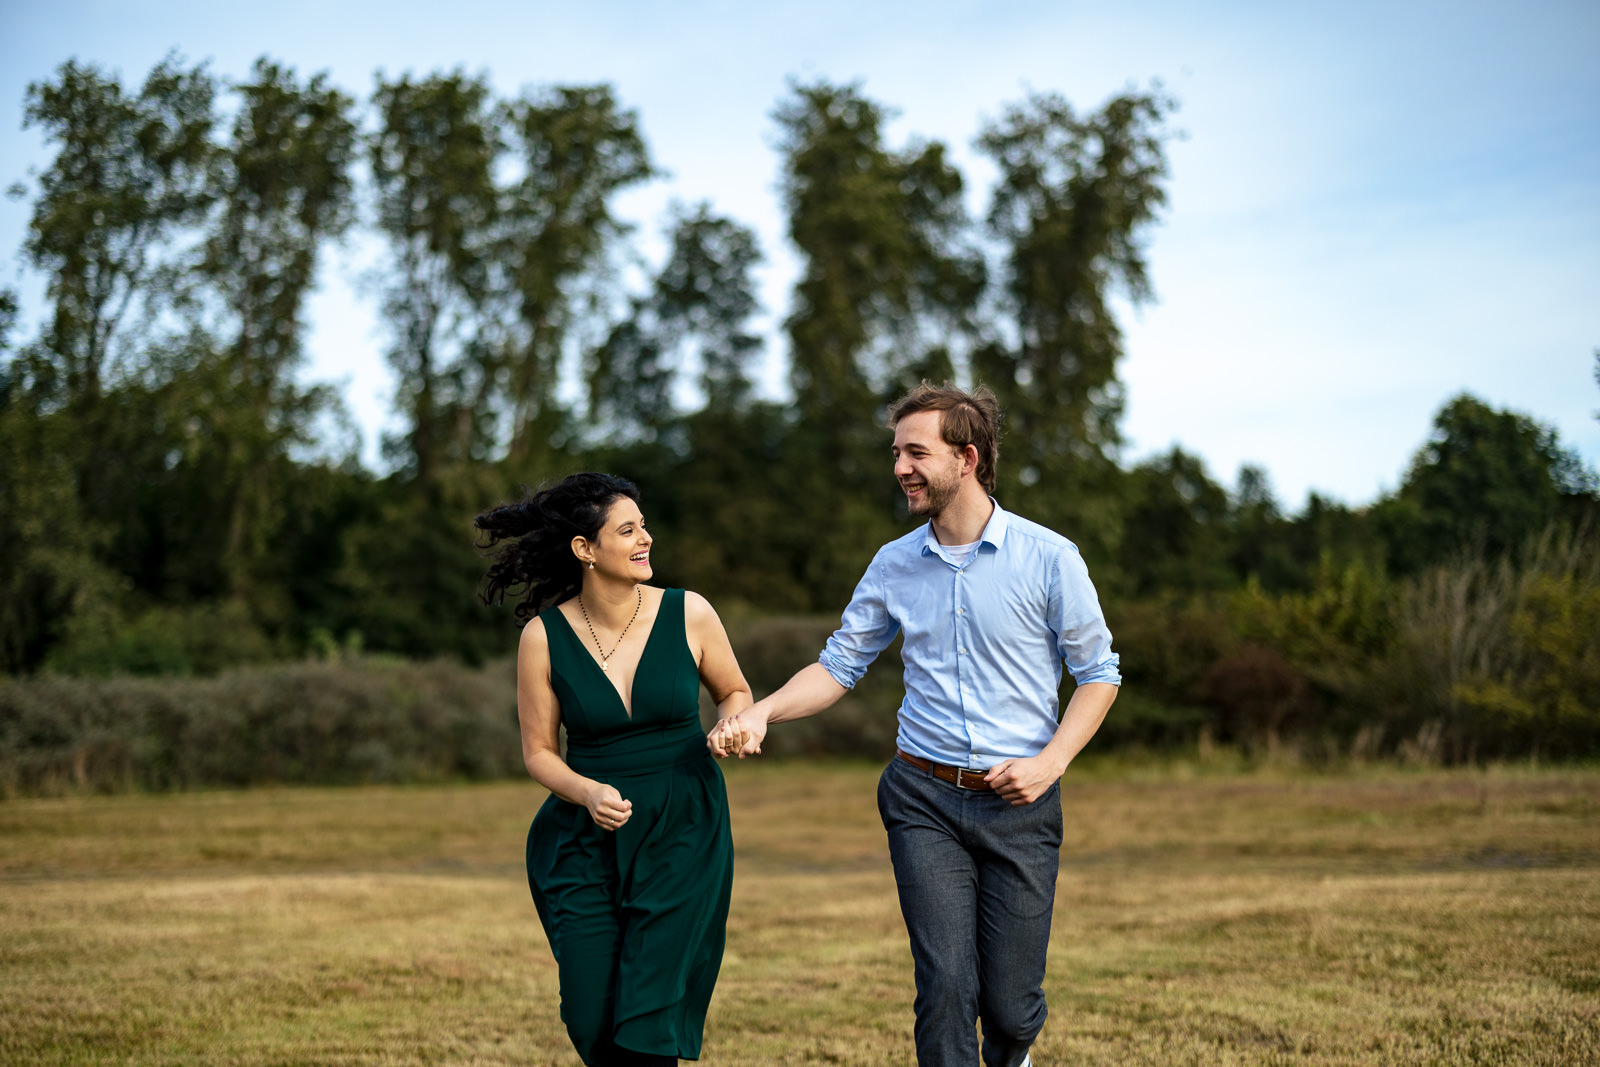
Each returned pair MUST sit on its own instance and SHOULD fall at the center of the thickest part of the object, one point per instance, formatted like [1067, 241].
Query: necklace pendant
[605, 657]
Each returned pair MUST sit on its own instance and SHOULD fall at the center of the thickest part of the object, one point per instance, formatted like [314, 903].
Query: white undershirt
[959, 554]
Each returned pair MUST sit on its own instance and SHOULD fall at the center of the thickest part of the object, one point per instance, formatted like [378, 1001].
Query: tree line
[175, 499]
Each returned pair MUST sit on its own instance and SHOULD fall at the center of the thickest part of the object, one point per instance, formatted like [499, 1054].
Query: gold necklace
[605, 657]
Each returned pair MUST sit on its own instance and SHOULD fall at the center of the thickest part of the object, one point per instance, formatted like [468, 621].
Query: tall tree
[432, 160]
[577, 149]
[707, 475]
[22, 587]
[1262, 548]
[696, 315]
[8, 322]
[285, 185]
[130, 174]
[129, 171]
[1074, 197]
[706, 295]
[1597, 378]
[886, 275]
[887, 282]
[1177, 526]
[1486, 481]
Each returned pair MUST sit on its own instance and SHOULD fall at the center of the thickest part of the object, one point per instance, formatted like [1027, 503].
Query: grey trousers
[977, 882]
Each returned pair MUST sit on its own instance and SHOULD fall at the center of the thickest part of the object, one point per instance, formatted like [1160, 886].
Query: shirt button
[961, 611]
[962, 651]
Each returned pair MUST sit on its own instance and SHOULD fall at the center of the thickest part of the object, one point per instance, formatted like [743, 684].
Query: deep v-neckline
[594, 664]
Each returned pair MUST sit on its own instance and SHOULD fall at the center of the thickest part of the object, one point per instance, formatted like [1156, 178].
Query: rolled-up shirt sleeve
[865, 630]
[1082, 636]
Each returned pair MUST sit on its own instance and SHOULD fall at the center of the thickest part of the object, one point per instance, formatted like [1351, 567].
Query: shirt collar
[994, 531]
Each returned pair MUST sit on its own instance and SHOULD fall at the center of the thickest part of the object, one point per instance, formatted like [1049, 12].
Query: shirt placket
[963, 632]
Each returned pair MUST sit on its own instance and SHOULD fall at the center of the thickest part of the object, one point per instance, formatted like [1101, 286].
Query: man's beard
[936, 496]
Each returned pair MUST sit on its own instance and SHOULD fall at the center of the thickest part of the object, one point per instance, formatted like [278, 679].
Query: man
[990, 604]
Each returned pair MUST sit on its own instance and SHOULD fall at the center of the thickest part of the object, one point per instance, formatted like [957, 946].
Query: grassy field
[1204, 916]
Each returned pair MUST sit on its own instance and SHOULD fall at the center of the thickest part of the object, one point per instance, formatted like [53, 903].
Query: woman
[630, 860]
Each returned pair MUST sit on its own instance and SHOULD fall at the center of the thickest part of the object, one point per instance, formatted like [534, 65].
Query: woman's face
[622, 547]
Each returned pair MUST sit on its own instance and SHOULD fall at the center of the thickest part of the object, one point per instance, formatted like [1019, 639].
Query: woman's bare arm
[539, 717]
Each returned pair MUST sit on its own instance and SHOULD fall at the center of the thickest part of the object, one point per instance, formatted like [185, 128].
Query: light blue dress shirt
[984, 641]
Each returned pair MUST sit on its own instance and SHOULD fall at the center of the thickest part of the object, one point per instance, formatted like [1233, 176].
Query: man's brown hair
[967, 419]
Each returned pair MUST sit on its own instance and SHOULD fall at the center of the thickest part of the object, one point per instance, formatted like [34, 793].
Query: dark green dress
[635, 917]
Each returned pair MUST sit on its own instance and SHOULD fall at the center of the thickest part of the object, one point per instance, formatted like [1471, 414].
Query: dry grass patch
[1381, 917]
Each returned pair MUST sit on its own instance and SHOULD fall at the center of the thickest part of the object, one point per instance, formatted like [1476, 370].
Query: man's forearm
[1085, 711]
[810, 691]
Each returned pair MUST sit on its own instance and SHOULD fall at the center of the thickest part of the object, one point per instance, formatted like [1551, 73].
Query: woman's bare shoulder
[534, 636]
[698, 612]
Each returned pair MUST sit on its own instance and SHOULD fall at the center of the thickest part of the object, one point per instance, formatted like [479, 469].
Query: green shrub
[1257, 696]
[1469, 661]
[325, 723]
[1546, 700]
[201, 638]
[1169, 646]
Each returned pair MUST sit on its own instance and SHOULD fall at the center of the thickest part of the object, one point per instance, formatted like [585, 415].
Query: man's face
[928, 469]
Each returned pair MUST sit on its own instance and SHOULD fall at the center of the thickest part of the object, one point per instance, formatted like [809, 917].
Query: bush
[199, 638]
[305, 723]
[1502, 654]
[1169, 646]
[1548, 703]
[1471, 661]
[1257, 696]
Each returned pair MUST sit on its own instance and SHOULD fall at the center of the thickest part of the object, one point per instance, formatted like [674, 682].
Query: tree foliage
[1484, 479]
[577, 149]
[432, 160]
[129, 171]
[284, 186]
[695, 315]
[888, 281]
[1075, 198]
[887, 275]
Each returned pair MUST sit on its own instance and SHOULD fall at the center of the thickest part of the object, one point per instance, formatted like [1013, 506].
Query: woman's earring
[591, 564]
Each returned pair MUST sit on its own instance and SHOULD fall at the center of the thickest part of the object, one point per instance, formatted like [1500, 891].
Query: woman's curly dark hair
[530, 542]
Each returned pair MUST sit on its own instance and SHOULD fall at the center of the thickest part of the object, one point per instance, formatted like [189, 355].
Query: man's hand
[1022, 781]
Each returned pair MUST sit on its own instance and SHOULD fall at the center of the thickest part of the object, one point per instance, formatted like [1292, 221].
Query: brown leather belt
[960, 777]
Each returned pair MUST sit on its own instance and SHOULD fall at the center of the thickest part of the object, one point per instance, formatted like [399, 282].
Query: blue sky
[1374, 206]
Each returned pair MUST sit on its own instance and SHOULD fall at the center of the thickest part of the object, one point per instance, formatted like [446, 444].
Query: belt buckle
[959, 772]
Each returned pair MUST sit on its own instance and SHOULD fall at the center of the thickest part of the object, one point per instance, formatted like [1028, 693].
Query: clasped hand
[738, 735]
[606, 806]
